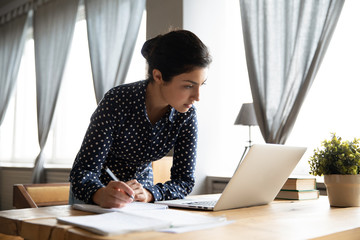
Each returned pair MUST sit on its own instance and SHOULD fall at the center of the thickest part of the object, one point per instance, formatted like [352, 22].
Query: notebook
[256, 181]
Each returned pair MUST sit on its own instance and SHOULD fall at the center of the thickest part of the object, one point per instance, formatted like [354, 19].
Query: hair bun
[174, 53]
[149, 46]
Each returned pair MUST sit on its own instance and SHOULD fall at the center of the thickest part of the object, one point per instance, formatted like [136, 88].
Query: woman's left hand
[141, 194]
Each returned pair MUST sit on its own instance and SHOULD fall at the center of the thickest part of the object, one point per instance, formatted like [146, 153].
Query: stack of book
[299, 188]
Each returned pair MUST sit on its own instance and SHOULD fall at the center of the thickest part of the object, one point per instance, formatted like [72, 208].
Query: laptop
[256, 181]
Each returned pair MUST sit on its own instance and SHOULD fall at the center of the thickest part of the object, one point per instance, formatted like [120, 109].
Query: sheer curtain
[54, 23]
[12, 42]
[285, 42]
[113, 27]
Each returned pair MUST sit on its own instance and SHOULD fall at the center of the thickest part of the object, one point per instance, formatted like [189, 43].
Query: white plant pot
[343, 190]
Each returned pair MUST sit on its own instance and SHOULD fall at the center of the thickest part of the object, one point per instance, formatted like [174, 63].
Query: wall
[203, 18]
[14, 175]
[163, 15]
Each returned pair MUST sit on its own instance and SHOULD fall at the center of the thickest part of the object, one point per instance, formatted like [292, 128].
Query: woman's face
[184, 89]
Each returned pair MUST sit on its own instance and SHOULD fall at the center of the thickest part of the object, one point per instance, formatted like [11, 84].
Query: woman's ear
[157, 76]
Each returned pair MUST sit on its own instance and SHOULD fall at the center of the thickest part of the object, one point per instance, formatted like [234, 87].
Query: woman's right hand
[115, 195]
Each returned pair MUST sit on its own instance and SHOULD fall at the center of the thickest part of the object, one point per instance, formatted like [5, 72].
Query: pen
[116, 179]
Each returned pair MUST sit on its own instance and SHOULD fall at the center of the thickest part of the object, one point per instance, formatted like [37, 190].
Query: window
[18, 132]
[76, 103]
[331, 104]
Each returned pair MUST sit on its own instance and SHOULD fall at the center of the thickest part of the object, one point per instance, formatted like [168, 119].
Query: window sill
[16, 165]
[57, 166]
[31, 165]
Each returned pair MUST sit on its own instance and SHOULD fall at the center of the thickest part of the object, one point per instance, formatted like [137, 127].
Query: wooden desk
[279, 220]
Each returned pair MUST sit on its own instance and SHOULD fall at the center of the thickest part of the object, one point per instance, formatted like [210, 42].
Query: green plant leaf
[336, 157]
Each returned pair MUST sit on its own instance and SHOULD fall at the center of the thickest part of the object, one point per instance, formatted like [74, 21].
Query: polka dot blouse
[121, 137]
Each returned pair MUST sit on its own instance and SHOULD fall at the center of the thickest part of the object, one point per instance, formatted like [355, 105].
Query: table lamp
[246, 117]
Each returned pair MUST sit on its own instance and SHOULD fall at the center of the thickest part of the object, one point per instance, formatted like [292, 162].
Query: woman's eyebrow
[194, 83]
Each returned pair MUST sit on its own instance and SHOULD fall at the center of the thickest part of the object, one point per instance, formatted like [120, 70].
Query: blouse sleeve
[86, 170]
[183, 168]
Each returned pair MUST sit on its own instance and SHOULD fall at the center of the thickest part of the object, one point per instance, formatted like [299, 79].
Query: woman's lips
[188, 105]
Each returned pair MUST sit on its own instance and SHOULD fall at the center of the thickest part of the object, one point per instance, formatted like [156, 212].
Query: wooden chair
[40, 195]
[51, 194]
[161, 169]
[10, 237]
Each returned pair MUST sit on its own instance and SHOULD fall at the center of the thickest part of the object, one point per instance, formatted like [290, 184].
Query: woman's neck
[156, 107]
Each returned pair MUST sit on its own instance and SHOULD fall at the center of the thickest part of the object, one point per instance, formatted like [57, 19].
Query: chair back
[40, 195]
[161, 169]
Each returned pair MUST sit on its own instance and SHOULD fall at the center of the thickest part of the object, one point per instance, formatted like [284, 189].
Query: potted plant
[339, 162]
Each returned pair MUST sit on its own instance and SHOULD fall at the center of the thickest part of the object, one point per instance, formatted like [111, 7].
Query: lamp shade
[246, 115]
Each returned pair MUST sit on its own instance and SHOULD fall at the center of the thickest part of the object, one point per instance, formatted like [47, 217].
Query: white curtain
[54, 23]
[12, 42]
[285, 42]
[113, 27]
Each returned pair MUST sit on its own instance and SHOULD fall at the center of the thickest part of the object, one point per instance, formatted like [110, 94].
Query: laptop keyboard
[203, 203]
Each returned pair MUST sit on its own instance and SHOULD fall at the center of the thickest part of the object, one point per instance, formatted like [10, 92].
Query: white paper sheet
[114, 223]
[141, 217]
[134, 206]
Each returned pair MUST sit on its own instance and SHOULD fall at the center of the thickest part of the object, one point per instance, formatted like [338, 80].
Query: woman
[137, 123]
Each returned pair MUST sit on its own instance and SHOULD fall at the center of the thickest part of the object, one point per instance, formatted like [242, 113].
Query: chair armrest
[21, 198]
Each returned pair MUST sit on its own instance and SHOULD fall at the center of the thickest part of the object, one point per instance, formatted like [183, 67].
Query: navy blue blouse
[121, 137]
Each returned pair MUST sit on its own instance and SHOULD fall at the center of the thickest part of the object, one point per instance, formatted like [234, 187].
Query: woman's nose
[196, 95]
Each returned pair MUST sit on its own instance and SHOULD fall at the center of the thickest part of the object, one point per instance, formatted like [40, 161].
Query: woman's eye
[189, 86]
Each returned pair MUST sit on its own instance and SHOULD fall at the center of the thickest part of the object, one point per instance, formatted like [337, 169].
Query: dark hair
[175, 53]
